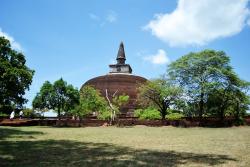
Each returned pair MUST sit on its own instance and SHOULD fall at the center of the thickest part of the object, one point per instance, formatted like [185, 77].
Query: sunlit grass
[131, 146]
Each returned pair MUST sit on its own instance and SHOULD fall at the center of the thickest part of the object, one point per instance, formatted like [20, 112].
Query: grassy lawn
[132, 146]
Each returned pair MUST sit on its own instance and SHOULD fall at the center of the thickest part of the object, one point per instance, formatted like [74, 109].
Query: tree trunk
[163, 110]
[112, 113]
[80, 122]
[59, 113]
[222, 114]
[237, 115]
[163, 115]
[201, 105]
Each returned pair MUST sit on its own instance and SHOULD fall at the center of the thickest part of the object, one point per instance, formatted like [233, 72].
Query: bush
[148, 114]
[239, 121]
[3, 114]
[174, 116]
[138, 112]
[104, 115]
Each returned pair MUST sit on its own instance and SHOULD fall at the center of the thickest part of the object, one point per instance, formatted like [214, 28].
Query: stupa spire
[121, 58]
[120, 66]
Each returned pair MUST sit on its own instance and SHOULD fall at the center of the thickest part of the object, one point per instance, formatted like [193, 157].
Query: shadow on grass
[6, 133]
[70, 153]
[73, 153]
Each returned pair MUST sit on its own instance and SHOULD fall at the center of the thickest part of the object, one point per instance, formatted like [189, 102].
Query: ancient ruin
[119, 80]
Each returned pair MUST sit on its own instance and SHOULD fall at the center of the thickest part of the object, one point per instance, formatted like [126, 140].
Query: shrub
[138, 112]
[3, 114]
[239, 121]
[174, 116]
[148, 114]
[104, 115]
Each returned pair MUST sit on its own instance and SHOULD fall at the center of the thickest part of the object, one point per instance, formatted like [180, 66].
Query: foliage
[15, 77]
[240, 105]
[59, 96]
[208, 81]
[148, 114]
[43, 101]
[138, 112]
[174, 116]
[30, 113]
[120, 100]
[114, 106]
[104, 114]
[3, 114]
[160, 94]
[90, 101]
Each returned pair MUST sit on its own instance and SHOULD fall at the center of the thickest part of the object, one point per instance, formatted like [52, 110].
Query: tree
[90, 101]
[64, 96]
[240, 105]
[15, 77]
[159, 93]
[115, 103]
[231, 100]
[59, 97]
[30, 113]
[43, 101]
[200, 73]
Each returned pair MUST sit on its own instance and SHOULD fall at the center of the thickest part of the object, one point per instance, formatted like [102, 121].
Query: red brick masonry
[122, 83]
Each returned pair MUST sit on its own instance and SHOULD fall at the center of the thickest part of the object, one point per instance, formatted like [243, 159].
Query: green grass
[132, 146]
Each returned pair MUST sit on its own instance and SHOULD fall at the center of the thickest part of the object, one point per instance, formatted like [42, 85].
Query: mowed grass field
[129, 146]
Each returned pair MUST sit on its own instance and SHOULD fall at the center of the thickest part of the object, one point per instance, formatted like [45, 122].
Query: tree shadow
[74, 153]
[17, 133]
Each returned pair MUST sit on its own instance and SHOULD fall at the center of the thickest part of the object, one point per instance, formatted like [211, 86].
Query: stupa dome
[119, 80]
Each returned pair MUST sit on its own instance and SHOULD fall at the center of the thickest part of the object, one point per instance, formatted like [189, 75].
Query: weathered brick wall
[122, 83]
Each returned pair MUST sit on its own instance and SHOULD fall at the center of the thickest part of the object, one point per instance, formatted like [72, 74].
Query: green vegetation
[90, 101]
[174, 116]
[208, 78]
[59, 96]
[15, 77]
[147, 114]
[114, 106]
[30, 113]
[136, 146]
[159, 94]
[198, 85]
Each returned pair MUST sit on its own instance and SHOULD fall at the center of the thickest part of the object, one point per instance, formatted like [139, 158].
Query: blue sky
[77, 40]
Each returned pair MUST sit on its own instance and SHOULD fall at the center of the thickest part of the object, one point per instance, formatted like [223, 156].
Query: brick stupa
[119, 80]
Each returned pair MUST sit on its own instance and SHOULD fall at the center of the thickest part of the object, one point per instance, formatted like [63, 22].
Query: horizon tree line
[198, 84]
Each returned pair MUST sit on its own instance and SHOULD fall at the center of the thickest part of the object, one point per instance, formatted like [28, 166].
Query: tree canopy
[58, 96]
[15, 77]
[207, 77]
[90, 101]
[159, 93]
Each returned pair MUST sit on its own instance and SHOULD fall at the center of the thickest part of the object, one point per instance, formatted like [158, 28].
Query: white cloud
[111, 17]
[197, 22]
[159, 58]
[15, 45]
[94, 16]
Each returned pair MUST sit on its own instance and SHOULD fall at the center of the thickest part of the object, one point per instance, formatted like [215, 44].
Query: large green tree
[59, 96]
[226, 100]
[90, 101]
[204, 76]
[15, 77]
[159, 93]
